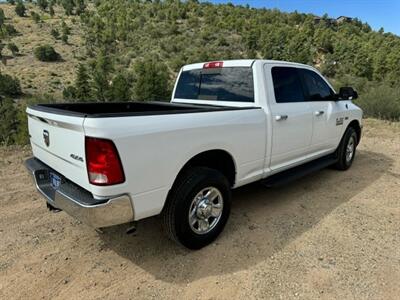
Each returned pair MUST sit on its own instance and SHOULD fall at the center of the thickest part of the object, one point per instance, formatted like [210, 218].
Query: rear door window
[221, 84]
[287, 85]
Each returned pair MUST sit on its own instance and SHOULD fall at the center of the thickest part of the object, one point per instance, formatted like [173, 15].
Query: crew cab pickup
[229, 123]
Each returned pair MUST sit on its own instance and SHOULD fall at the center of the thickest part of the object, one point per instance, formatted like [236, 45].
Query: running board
[290, 175]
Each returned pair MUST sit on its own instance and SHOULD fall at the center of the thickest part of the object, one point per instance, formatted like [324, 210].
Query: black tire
[344, 162]
[176, 211]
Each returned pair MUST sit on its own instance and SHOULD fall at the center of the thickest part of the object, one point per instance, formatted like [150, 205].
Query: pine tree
[101, 76]
[151, 80]
[65, 31]
[2, 17]
[82, 86]
[1, 49]
[51, 10]
[120, 88]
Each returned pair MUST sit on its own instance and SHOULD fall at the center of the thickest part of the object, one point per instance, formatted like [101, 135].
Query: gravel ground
[329, 235]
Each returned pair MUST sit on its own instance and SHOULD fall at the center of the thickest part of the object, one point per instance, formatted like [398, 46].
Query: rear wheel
[347, 149]
[198, 207]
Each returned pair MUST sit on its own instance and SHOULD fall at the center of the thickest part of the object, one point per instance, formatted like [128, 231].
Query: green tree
[102, 69]
[13, 48]
[1, 50]
[82, 87]
[65, 31]
[51, 10]
[120, 88]
[12, 2]
[2, 17]
[151, 80]
[20, 9]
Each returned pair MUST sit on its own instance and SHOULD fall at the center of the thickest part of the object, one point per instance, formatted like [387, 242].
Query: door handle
[281, 117]
[319, 112]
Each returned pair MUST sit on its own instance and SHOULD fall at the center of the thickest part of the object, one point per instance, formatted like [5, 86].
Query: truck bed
[121, 109]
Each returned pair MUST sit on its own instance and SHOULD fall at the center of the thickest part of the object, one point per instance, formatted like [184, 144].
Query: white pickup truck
[229, 123]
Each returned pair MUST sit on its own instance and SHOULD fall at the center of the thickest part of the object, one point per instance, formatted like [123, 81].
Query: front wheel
[347, 149]
[198, 207]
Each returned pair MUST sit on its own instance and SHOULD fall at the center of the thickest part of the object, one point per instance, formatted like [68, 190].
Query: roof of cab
[241, 63]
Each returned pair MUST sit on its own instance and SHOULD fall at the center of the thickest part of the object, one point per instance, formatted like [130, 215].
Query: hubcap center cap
[204, 209]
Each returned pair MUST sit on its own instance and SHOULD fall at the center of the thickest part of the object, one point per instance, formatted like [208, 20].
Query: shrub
[64, 38]
[54, 32]
[9, 86]
[42, 4]
[8, 121]
[20, 9]
[9, 29]
[381, 101]
[46, 53]
[36, 17]
[13, 48]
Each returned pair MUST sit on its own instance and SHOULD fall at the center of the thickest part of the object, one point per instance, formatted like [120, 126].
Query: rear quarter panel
[153, 149]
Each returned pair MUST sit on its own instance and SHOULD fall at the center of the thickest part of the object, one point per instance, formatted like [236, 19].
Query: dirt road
[329, 235]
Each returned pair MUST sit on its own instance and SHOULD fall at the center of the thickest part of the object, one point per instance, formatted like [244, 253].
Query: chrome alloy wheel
[350, 148]
[206, 210]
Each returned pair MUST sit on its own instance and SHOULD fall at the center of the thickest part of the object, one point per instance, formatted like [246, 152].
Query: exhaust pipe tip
[52, 208]
[132, 228]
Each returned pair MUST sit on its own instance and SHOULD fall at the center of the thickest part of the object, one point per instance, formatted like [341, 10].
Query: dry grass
[42, 77]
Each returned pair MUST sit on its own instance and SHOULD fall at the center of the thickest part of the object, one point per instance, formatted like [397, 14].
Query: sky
[377, 13]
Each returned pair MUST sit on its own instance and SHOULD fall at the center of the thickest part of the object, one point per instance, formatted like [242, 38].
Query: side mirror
[347, 93]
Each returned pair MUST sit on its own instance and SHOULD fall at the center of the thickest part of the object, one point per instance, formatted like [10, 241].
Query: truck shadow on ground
[262, 222]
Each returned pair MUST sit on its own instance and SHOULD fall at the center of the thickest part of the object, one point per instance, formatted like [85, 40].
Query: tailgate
[59, 141]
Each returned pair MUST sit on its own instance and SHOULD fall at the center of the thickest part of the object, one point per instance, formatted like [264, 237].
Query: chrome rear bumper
[78, 202]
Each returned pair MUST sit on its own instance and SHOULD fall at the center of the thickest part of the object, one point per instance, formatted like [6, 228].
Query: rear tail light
[103, 163]
[213, 64]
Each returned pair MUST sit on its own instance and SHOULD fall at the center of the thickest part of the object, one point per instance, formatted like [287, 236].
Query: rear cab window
[218, 84]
